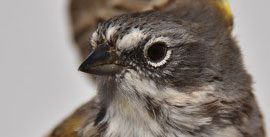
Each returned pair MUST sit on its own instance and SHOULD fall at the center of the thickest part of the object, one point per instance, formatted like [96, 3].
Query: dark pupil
[157, 52]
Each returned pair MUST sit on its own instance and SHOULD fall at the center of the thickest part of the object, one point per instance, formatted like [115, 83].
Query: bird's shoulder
[71, 125]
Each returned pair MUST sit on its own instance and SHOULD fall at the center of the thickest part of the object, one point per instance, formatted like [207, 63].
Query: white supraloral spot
[110, 32]
[94, 38]
[131, 40]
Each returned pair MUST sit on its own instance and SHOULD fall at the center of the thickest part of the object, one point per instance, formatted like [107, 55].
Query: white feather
[131, 40]
[110, 32]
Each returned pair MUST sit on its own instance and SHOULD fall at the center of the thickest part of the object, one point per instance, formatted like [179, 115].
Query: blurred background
[39, 81]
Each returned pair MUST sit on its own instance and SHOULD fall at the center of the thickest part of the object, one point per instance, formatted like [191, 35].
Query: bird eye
[157, 54]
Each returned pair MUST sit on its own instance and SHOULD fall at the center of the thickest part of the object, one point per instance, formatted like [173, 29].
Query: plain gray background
[39, 81]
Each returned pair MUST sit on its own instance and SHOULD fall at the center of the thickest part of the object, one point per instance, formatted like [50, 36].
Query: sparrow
[176, 72]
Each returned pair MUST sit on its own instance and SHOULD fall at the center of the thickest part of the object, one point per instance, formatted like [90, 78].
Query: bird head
[193, 48]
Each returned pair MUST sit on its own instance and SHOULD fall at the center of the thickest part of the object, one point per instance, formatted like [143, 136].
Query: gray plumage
[181, 75]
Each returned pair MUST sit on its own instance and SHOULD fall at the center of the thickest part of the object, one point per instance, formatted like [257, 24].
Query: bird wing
[69, 127]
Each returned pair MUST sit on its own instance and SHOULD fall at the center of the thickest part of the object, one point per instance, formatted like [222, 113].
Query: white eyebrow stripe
[110, 32]
[131, 40]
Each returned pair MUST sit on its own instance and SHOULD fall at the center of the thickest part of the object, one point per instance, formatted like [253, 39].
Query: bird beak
[101, 62]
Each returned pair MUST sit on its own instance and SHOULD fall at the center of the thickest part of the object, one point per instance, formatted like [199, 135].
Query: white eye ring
[157, 54]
